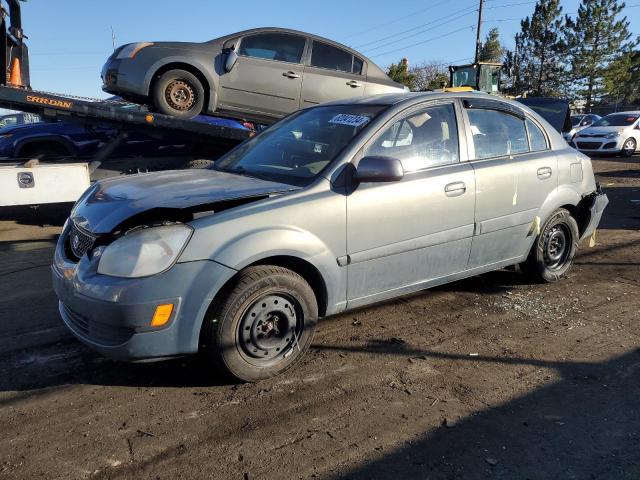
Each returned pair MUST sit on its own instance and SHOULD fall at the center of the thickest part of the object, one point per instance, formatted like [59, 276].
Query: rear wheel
[553, 251]
[262, 325]
[629, 147]
[178, 93]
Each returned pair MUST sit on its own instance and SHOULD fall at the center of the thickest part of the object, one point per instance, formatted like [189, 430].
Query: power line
[385, 24]
[428, 40]
[471, 9]
[406, 37]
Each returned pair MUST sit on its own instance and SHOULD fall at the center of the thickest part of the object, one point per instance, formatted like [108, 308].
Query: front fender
[278, 241]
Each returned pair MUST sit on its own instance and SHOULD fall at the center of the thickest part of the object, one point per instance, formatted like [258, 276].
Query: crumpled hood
[109, 202]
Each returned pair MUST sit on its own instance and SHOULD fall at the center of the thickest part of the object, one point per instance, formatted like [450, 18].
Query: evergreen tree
[491, 50]
[401, 74]
[595, 37]
[542, 49]
[622, 79]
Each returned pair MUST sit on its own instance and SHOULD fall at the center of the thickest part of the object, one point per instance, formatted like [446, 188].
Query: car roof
[374, 68]
[409, 98]
[630, 112]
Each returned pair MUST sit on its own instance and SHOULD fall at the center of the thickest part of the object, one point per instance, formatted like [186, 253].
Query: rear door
[332, 74]
[515, 172]
[267, 77]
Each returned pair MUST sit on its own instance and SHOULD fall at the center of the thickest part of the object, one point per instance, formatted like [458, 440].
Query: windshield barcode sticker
[351, 120]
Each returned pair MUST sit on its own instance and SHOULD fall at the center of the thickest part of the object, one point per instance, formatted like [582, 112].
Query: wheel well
[188, 68]
[55, 145]
[303, 268]
[580, 212]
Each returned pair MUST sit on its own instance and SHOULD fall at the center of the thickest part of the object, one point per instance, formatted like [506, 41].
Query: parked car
[20, 118]
[580, 122]
[335, 207]
[260, 74]
[617, 133]
[48, 140]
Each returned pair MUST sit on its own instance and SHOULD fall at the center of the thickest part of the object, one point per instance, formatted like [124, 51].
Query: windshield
[617, 120]
[575, 119]
[296, 149]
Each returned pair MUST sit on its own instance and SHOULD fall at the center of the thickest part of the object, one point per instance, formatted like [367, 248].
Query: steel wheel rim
[270, 329]
[180, 95]
[556, 247]
[629, 146]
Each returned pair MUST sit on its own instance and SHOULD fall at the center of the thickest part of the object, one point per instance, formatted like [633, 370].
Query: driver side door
[404, 235]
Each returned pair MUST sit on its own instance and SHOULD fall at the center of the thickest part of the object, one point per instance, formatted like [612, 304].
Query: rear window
[273, 46]
[332, 58]
[537, 140]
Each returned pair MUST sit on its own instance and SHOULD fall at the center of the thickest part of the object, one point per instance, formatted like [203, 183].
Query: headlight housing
[132, 49]
[613, 134]
[144, 252]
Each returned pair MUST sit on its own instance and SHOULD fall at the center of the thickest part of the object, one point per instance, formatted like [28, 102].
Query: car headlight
[132, 49]
[613, 134]
[144, 252]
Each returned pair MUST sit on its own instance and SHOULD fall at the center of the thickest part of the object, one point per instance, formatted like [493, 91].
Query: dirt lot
[486, 378]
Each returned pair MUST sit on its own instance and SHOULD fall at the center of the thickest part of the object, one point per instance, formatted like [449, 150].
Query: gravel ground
[490, 377]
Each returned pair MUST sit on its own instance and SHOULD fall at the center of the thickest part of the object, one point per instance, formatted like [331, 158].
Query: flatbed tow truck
[31, 182]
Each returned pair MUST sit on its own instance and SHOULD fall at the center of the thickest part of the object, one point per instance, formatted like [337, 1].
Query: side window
[497, 134]
[327, 56]
[273, 46]
[357, 65]
[425, 139]
[537, 140]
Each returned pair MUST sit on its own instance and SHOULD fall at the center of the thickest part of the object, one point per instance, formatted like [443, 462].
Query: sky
[69, 40]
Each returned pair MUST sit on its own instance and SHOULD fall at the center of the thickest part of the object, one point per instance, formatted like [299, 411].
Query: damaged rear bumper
[598, 201]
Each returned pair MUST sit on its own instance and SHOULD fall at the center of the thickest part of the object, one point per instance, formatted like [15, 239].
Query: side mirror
[230, 61]
[379, 169]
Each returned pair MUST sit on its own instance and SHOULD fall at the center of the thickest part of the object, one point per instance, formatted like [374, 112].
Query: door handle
[544, 173]
[290, 74]
[354, 84]
[455, 189]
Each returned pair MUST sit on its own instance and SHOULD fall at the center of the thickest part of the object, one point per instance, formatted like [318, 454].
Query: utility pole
[478, 32]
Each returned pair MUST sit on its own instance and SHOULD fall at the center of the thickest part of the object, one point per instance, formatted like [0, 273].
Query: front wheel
[262, 325]
[553, 251]
[629, 147]
[178, 93]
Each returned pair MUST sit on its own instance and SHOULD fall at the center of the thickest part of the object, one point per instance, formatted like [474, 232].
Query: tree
[401, 74]
[594, 38]
[622, 78]
[429, 75]
[542, 50]
[491, 50]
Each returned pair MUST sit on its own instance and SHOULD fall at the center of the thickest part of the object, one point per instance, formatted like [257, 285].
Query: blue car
[46, 140]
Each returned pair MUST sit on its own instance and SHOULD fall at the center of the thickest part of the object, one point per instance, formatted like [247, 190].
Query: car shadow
[43, 215]
[586, 425]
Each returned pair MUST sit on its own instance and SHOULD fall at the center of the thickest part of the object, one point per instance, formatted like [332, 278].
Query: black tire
[198, 163]
[178, 93]
[248, 334]
[552, 253]
[629, 147]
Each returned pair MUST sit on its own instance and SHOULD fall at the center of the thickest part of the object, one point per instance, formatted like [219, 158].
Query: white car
[617, 133]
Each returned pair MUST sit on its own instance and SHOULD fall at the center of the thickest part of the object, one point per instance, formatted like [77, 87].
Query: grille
[80, 242]
[589, 145]
[101, 333]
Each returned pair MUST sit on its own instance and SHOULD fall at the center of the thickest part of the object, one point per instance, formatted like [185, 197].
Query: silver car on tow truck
[334, 207]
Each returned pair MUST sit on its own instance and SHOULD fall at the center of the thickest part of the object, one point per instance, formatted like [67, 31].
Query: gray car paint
[373, 243]
[255, 88]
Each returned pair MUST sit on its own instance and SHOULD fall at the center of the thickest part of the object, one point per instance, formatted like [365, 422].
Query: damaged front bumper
[596, 203]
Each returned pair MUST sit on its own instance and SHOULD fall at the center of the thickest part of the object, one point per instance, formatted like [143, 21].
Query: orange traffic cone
[15, 77]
